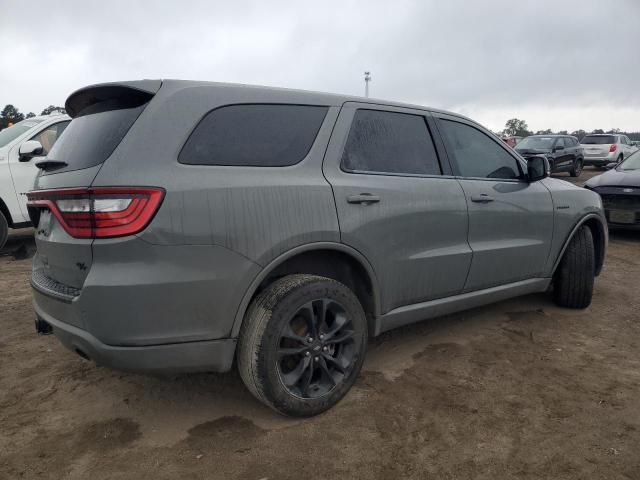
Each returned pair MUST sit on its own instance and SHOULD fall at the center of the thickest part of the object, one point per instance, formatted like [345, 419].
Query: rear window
[598, 139]
[95, 133]
[9, 134]
[254, 135]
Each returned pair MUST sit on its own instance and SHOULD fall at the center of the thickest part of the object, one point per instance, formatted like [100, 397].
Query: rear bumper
[209, 355]
[598, 161]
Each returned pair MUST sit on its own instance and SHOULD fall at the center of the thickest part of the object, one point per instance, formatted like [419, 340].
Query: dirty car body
[181, 203]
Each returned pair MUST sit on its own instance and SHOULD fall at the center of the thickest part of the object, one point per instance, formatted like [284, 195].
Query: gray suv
[184, 225]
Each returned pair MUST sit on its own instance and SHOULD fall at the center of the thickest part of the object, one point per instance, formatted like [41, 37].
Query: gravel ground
[519, 389]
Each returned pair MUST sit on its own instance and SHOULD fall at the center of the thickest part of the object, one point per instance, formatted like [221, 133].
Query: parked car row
[566, 154]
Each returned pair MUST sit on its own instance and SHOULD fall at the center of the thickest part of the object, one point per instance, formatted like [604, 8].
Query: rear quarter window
[254, 135]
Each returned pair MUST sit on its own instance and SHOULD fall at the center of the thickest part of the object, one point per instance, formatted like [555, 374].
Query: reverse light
[103, 212]
[613, 148]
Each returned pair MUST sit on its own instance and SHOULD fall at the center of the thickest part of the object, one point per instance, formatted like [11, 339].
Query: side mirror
[558, 148]
[611, 165]
[537, 168]
[30, 149]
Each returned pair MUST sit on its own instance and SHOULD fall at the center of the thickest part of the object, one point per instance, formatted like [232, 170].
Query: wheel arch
[329, 259]
[599, 231]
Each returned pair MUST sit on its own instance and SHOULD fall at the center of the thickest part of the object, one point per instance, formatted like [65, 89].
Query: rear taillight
[103, 212]
[613, 148]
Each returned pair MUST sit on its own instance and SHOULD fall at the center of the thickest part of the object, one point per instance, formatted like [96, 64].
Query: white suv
[602, 149]
[21, 146]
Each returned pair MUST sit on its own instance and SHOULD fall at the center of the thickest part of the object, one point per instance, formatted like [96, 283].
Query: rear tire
[4, 230]
[573, 281]
[620, 159]
[302, 344]
[576, 169]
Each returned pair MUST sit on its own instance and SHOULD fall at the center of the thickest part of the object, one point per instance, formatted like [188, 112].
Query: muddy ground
[520, 389]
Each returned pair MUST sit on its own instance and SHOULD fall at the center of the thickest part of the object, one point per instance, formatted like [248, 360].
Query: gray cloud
[570, 64]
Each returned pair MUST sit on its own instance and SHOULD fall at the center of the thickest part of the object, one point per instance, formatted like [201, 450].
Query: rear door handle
[365, 198]
[482, 198]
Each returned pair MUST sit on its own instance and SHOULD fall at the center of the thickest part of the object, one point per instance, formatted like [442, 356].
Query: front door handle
[365, 198]
[482, 198]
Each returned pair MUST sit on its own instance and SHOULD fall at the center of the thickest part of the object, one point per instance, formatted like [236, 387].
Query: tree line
[11, 114]
[517, 127]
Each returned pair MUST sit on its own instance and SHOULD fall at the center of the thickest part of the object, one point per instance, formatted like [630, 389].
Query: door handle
[482, 198]
[365, 198]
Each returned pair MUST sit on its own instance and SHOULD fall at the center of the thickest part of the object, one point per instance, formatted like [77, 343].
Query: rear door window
[477, 155]
[258, 135]
[390, 142]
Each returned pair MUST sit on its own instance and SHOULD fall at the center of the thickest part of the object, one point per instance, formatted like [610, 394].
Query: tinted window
[475, 154]
[11, 133]
[536, 143]
[50, 135]
[389, 142]
[598, 140]
[560, 142]
[254, 135]
[91, 137]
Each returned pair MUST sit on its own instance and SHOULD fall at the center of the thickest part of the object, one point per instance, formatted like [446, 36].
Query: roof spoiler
[134, 93]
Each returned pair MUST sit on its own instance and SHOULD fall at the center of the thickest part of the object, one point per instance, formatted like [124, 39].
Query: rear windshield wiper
[51, 164]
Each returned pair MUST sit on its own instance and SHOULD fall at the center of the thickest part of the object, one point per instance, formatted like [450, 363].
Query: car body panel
[600, 154]
[620, 193]
[560, 159]
[431, 257]
[17, 178]
[189, 276]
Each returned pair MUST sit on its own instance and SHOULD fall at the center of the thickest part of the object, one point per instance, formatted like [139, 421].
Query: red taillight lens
[104, 212]
[613, 148]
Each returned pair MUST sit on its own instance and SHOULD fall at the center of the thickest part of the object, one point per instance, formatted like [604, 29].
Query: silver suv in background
[602, 149]
[21, 147]
[182, 225]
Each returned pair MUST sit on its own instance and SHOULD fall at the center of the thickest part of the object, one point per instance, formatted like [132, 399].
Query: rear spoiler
[134, 93]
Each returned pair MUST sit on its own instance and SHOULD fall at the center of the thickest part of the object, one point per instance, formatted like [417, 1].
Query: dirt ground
[520, 389]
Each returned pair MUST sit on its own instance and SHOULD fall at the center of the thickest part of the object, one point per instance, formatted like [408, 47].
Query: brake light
[103, 212]
[613, 148]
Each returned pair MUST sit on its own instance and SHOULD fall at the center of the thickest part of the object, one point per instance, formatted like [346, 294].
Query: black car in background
[563, 152]
[619, 189]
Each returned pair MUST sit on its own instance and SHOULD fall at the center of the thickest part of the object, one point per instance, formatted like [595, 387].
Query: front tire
[302, 344]
[4, 230]
[573, 281]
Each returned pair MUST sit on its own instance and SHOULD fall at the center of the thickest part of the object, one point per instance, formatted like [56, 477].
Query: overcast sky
[561, 64]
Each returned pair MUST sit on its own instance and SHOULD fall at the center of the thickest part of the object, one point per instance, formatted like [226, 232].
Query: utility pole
[367, 79]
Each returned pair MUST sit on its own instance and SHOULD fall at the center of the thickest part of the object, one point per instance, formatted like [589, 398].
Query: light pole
[367, 79]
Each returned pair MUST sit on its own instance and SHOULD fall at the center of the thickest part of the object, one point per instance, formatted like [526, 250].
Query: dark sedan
[619, 189]
[563, 152]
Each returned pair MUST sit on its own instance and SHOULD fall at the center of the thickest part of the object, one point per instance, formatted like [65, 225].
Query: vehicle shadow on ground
[20, 245]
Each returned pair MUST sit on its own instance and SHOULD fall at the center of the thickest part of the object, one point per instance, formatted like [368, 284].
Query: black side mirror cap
[538, 168]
